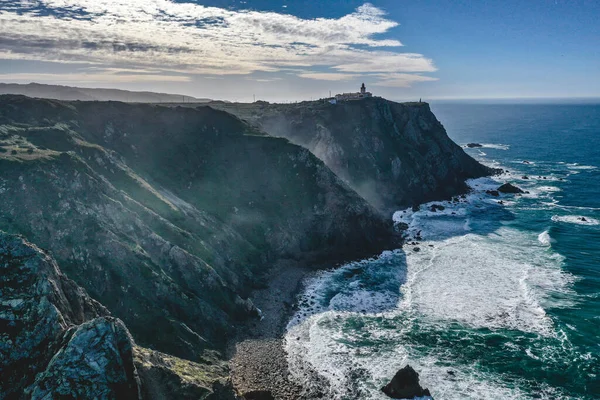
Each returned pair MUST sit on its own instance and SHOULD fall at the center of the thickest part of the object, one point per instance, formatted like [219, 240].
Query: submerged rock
[510, 188]
[405, 385]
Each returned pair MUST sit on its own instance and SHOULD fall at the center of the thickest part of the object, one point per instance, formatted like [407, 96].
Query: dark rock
[105, 372]
[509, 188]
[405, 385]
[583, 219]
[402, 226]
[38, 305]
[493, 193]
[473, 145]
[526, 162]
[416, 249]
[258, 395]
[436, 207]
[416, 207]
[524, 177]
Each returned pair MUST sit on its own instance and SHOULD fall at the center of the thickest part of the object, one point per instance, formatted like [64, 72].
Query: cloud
[89, 78]
[401, 80]
[188, 38]
[327, 76]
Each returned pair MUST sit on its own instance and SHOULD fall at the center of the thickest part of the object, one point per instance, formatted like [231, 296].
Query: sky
[304, 49]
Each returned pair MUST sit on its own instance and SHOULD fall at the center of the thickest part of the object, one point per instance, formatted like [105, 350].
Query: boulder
[436, 207]
[95, 363]
[509, 188]
[405, 385]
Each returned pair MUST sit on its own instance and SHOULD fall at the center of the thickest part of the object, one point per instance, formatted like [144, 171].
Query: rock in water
[493, 193]
[405, 385]
[435, 207]
[473, 145]
[509, 188]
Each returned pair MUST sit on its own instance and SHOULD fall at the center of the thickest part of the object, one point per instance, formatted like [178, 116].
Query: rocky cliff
[393, 154]
[170, 216]
[57, 342]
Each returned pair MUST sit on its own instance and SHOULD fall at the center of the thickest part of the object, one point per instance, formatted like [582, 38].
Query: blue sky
[293, 50]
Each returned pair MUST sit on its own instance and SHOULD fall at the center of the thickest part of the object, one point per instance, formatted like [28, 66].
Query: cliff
[170, 216]
[166, 219]
[393, 154]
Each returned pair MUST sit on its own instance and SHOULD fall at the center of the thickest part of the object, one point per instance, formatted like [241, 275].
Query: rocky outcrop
[405, 385]
[57, 342]
[510, 188]
[38, 305]
[96, 362]
[393, 154]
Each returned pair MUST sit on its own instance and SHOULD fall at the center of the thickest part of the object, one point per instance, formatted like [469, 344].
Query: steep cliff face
[393, 154]
[169, 216]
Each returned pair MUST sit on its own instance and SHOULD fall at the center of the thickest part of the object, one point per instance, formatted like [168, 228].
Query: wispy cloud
[90, 78]
[327, 76]
[188, 38]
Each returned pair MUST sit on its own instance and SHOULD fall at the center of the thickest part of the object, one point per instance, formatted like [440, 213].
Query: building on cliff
[363, 94]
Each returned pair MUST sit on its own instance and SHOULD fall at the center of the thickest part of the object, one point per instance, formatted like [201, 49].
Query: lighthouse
[363, 89]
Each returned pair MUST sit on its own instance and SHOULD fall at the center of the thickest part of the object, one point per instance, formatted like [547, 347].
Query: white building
[363, 94]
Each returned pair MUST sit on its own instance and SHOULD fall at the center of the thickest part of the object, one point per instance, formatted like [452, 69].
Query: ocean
[493, 300]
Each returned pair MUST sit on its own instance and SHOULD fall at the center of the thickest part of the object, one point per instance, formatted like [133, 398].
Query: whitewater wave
[576, 219]
[545, 239]
[461, 270]
[577, 167]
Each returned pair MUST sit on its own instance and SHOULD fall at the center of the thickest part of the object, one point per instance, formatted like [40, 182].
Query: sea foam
[576, 219]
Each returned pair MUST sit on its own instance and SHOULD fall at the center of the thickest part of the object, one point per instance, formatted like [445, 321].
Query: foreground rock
[510, 188]
[405, 385]
[57, 342]
[95, 363]
[38, 306]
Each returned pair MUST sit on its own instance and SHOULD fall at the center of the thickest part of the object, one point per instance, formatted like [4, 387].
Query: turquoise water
[501, 301]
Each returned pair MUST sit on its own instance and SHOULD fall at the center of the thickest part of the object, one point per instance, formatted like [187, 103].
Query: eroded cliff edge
[393, 154]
